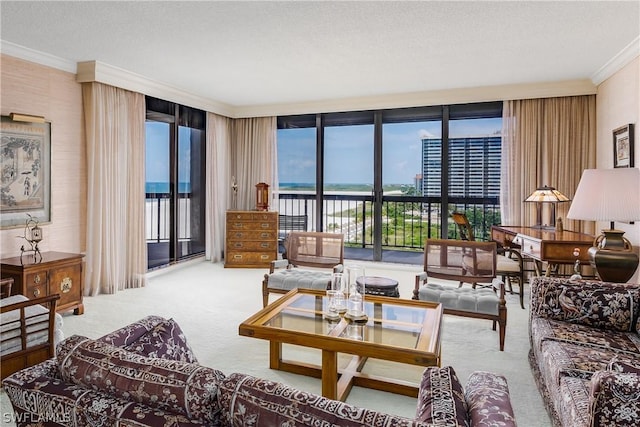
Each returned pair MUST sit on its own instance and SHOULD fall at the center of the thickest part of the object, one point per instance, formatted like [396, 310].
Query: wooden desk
[544, 245]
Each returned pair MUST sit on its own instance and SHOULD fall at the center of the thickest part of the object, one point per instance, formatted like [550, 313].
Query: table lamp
[609, 195]
[542, 195]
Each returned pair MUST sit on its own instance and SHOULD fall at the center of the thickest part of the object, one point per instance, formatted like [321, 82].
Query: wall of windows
[434, 158]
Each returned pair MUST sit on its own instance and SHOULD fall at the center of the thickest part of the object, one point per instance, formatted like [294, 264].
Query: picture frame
[623, 147]
[25, 172]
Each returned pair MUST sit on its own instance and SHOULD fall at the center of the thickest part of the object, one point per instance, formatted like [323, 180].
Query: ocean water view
[163, 187]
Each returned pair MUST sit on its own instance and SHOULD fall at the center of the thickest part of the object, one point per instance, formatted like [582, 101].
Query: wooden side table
[57, 273]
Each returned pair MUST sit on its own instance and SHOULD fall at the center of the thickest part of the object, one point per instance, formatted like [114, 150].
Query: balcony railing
[406, 220]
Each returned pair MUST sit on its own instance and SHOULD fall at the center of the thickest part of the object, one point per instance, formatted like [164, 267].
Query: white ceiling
[262, 53]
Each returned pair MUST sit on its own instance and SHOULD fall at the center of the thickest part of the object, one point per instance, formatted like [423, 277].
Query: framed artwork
[25, 172]
[623, 147]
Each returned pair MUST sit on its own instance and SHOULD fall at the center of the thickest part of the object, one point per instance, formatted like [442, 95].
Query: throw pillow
[441, 398]
[613, 399]
[166, 341]
[183, 388]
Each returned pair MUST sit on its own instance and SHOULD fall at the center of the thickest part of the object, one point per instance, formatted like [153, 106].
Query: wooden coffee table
[398, 330]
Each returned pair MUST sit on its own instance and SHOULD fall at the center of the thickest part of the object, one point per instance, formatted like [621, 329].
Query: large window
[389, 178]
[175, 165]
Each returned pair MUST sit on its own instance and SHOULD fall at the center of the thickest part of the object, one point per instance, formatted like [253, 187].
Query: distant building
[417, 183]
[474, 166]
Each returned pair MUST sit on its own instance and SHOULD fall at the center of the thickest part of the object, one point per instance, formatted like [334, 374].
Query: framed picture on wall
[25, 171]
[623, 147]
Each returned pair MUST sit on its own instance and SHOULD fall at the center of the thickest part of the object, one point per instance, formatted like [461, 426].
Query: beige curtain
[253, 159]
[116, 246]
[546, 142]
[218, 186]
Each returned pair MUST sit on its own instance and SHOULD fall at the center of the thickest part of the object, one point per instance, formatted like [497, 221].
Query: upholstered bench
[482, 303]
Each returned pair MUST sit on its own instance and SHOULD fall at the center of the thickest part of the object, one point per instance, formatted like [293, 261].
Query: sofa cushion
[130, 333]
[487, 397]
[166, 340]
[548, 329]
[184, 388]
[608, 306]
[441, 399]
[250, 401]
[614, 399]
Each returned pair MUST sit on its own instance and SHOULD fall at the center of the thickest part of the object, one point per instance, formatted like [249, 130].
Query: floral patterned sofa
[145, 374]
[585, 350]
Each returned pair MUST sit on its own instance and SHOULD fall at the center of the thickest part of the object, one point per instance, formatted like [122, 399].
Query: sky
[349, 150]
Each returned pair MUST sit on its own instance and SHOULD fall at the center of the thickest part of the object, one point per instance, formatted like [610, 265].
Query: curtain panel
[116, 256]
[547, 141]
[253, 159]
[218, 187]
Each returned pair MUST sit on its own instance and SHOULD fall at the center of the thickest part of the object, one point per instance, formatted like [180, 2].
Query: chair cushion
[441, 398]
[507, 265]
[299, 278]
[183, 388]
[167, 341]
[479, 300]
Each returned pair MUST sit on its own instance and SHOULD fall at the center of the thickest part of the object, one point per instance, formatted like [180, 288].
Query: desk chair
[509, 260]
[468, 262]
[322, 252]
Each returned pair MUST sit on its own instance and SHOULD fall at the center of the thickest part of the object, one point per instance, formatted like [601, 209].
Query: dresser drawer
[252, 216]
[252, 245]
[250, 225]
[251, 235]
[37, 284]
[249, 258]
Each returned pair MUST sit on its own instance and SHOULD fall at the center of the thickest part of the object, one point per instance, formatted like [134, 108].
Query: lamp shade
[607, 195]
[546, 194]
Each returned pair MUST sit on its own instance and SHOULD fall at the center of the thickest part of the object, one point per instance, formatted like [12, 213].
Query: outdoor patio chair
[463, 261]
[509, 260]
[321, 253]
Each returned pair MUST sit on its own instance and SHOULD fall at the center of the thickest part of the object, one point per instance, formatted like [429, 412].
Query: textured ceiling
[258, 53]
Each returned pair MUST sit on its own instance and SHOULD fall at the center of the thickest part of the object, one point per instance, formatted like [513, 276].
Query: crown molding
[615, 64]
[36, 56]
[420, 99]
[95, 71]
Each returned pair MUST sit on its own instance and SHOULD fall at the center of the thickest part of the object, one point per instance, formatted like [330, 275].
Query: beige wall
[618, 104]
[43, 91]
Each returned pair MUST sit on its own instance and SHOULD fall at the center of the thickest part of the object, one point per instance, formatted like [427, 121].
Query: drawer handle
[265, 257]
[264, 245]
[36, 292]
[237, 256]
[66, 285]
[37, 279]
[238, 245]
[264, 235]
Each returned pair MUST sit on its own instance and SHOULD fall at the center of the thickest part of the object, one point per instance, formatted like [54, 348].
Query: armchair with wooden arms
[467, 262]
[322, 253]
[509, 260]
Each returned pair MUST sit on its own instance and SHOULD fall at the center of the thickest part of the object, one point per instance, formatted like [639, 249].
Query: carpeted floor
[209, 302]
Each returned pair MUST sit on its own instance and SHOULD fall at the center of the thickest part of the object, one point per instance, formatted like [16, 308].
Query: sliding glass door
[175, 189]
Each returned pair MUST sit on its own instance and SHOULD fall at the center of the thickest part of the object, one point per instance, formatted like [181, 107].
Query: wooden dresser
[57, 273]
[252, 239]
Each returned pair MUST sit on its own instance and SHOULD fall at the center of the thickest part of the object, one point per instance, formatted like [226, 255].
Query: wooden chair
[468, 262]
[322, 252]
[28, 332]
[510, 264]
[5, 287]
